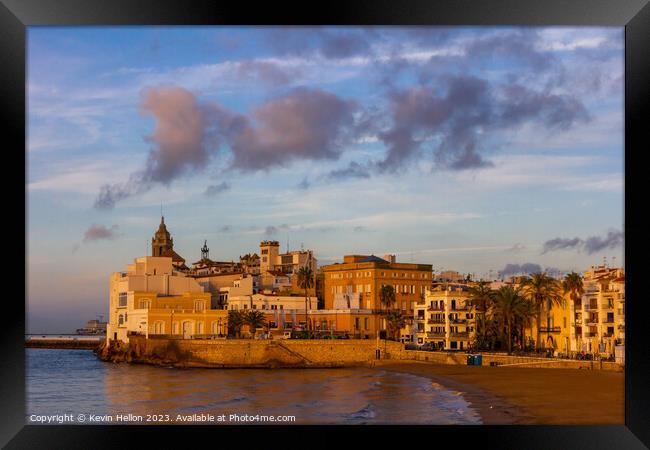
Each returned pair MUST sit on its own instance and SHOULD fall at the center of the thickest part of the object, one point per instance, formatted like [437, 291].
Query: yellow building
[155, 297]
[600, 313]
[358, 280]
[445, 317]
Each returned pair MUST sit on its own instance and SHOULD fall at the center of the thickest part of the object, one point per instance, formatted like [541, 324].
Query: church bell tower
[162, 241]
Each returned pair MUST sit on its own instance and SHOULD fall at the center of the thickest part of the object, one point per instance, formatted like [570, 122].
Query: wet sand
[511, 395]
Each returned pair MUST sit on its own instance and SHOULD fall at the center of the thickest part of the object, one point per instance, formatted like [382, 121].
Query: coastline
[525, 396]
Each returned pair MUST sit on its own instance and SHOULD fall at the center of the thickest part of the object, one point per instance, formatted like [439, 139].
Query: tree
[306, 281]
[481, 296]
[396, 321]
[235, 322]
[544, 292]
[254, 319]
[509, 306]
[572, 285]
[387, 296]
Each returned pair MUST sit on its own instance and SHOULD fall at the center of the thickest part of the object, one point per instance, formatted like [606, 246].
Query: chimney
[390, 258]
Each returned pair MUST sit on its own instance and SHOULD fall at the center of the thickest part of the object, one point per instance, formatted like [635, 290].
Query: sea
[75, 387]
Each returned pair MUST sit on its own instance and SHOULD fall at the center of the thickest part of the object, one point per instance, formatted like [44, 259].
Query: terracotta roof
[277, 273]
[175, 256]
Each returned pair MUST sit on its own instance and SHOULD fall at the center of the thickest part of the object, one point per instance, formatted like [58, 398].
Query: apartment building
[445, 317]
[359, 278]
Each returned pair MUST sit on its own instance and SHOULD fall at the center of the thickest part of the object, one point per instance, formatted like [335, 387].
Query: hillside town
[274, 295]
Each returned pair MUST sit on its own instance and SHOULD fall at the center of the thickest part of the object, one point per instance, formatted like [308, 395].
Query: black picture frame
[634, 15]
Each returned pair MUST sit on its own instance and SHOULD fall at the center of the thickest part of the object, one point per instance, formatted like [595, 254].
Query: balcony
[436, 334]
[463, 334]
[549, 330]
[432, 321]
[592, 322]
[591, 307]
[436, 308]
[608, 334]
[588, 334]
[609, 320]
[458, 321]
[607, 306]
[460, 308]
[419, 319]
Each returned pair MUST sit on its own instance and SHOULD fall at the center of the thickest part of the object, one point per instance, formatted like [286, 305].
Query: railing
[592, 321]
[591, 307]
[591, 334]
[436, 308]
[458, 321]
[436, 321]
[549, 330]
[606, 306]
[608, 334]
[608, 320]
[460, 335]
[460, 308]
[436, 335]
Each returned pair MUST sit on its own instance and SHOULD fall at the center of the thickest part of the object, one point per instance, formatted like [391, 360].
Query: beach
[511, 395]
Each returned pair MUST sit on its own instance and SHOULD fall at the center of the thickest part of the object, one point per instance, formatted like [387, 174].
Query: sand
[512, 395]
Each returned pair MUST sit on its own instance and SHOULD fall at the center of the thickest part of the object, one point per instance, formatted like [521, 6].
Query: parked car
[427, 347]
[411, 346]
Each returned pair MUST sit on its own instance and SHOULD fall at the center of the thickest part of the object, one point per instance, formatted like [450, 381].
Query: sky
[490, 151]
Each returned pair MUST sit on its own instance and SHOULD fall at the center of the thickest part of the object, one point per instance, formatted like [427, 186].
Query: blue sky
[467, 148]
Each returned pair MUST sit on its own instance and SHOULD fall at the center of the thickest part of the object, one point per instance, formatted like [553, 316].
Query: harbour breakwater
[64, 342]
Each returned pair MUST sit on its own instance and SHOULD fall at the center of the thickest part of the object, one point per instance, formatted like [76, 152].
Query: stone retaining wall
[308, 353]
[262, 353]
[513, 361]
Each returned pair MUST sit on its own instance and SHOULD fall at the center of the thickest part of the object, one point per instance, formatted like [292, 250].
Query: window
[199, 328]
[254, 306]
[145, 303]
[199, 305]
[368, 288]
[120, 320]
[356, 323]
[365, 323]
[122, 300]
[281, 306]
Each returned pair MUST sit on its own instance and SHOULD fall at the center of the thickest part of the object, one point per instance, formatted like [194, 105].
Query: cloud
[266, 72]
[213, 190]
[225, 229]
[614, 238]
[561, 244]
[593, 244]
[99, 232]
[304, 184]
[305, 124]
[272, 229]
[516, 248]
[518, 269]
[354, 170]
[462, 111]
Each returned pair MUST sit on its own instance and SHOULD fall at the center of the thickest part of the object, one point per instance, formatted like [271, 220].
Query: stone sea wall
[238, 353]
[243, 353]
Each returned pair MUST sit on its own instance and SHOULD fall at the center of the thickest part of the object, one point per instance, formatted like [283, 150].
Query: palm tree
[306, 281]
[235, 321]
[254, 319]
[544, 292]
[481, 296]
[387, 296]
[396, 321]
[509, 306]
[572, 285]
